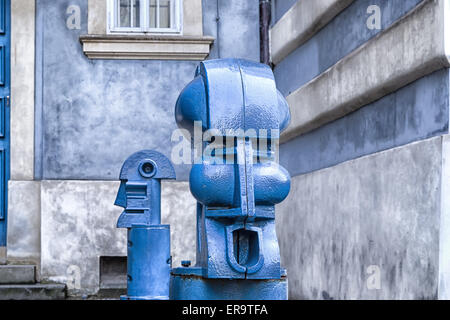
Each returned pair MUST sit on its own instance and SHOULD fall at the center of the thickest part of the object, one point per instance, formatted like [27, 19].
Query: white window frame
[175, 19]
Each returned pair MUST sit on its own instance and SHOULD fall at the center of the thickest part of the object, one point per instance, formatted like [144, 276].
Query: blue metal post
[148, 262]
[149, 259]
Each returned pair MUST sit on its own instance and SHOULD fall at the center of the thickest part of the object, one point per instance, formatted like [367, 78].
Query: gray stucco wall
[91, 115]
[236, 30]
[417, 111]
[280, 7]
[368, 191]
[381, 210]
[345, 33]
[78, 226]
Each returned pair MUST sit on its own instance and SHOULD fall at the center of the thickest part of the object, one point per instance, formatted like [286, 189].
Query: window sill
[150, 47]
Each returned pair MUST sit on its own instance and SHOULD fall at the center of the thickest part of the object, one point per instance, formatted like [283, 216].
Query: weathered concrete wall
[397, 118]
[444, 230]
[78, 225]
[237, 29]
[97, 17]
[179, 209]
[345, 33]
[96, 113]
[370, 73]
[417, 111]
[355, 210]
[280, 7]
[22, 89]
[91, 115]
[24, 223]
[381, 210]
[300, 23]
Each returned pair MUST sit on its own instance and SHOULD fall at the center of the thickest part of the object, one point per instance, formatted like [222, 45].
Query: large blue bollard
[237, 184]
[149, 260]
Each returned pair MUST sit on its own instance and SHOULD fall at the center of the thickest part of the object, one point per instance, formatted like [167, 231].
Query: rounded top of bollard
[223, 90]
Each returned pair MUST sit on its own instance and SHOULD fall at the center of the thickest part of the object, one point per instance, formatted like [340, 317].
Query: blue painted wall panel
[92, 114]
[341, 36]
[5, 91]
[417, 111]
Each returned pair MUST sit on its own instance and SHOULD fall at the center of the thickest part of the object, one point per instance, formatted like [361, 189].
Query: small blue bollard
[149, 260]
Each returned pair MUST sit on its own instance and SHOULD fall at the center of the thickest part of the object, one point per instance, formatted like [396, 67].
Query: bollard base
[188, 284]
[149, 261]
[144, 298]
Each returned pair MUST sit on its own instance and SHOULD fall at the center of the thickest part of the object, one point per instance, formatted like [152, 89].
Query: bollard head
[154, 164]
[225, 90]
[139, 192]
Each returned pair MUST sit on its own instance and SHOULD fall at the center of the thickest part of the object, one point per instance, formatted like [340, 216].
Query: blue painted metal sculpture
[149, 259]
[236, 184]
[237, 101]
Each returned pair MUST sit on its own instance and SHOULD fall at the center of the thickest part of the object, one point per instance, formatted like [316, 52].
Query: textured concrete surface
[97, 15]
[341, 225]
[91, 115]
[236, 31]
[33, 292]
[179, 209]
[418, 39]
[344, 34]
[300, 23]
[280, 7]
[192, 18]
[444, 231]
[17, 274]
[96, 113]
[417, 111]
[24, 221]
[79, 225]
[22, 89]
[2, 255]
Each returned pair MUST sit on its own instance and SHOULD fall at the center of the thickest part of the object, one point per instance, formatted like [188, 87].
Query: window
[146, 29]
[144, 16]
